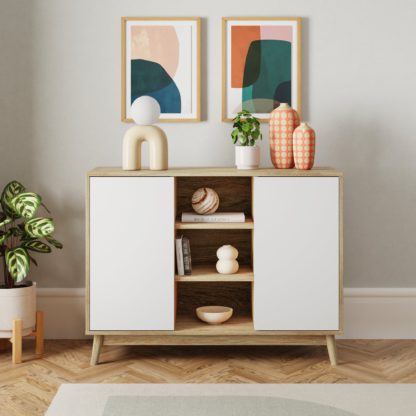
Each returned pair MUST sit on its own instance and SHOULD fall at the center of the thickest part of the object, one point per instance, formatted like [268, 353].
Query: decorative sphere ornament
[227, 260]
[145, 111]
[205, 201]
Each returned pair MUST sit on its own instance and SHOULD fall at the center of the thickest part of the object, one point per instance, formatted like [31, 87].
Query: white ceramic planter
[247, 157]
[17, 303]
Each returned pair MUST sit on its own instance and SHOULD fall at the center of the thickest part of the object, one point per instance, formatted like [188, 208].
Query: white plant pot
[247, 157]
[17, 303]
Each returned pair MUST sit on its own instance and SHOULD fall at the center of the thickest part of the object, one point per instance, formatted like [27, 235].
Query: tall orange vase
[283, 121]
[304, 146]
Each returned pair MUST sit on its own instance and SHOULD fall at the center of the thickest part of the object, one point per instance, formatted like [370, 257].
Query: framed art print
[161, 58]
[261, 65]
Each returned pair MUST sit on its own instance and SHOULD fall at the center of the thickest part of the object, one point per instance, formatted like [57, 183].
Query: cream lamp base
[158, 148]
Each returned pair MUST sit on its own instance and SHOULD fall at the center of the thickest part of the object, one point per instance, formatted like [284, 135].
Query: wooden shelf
[191, 325]
[209, 274]
[247, 225]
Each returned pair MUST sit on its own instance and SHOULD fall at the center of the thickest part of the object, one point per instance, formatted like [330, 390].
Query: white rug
[234, 400]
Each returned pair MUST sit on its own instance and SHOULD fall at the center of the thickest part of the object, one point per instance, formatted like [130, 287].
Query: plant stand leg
[332, 349]
[96, 348]
[17, 341]
[39, 333]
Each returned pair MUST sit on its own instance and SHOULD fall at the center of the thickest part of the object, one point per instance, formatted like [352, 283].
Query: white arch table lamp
[145, 111]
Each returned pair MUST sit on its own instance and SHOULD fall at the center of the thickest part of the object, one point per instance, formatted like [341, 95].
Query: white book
[217, 217]
[179, 257]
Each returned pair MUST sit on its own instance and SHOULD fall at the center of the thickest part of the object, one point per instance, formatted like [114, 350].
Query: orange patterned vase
[304, 146]
[283, 121]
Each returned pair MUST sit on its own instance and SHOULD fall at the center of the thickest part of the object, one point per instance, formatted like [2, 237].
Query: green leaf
[26, 204]
[4, 219]
[54, 242]
[12, 189]
[4, 236]
[38, 246]
[39, 227]
[17, 261]
[243, 140]
[247, 127]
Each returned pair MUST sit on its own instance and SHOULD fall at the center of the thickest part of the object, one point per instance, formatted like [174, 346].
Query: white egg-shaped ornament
[227, 260]
[205, 201]
[227, 252]
[145, 111]
[227, 266]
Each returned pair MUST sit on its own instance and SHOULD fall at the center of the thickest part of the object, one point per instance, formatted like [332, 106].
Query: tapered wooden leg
[332, 349]
[17, 341]
[39, 334]
[96, 348]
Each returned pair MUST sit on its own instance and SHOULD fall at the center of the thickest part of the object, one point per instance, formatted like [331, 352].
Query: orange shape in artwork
[241, 38]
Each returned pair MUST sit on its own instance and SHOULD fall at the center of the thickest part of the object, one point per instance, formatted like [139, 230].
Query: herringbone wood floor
[28, 388]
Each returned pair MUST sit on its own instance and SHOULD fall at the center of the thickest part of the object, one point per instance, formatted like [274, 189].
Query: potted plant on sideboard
[21, 232]
[245, 134]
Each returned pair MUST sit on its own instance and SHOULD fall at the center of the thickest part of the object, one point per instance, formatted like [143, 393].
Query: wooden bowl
[214, 315]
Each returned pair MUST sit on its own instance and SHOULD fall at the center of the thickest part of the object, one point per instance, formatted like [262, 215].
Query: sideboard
[288, 290]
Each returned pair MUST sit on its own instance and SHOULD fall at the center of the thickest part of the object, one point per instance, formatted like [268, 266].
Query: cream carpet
[234, 400]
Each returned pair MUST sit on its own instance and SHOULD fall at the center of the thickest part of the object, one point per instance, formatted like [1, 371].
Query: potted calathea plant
[22, 233]
[245, 134]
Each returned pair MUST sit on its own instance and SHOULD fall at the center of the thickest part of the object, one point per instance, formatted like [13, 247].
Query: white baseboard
[370, 313]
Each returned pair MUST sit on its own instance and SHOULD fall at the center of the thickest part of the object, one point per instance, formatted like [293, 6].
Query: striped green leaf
[17, 261]
[4, 236]
[4, 219]
[9, 192]
[54, 242]
[26, 204]
[39, 227]
[38, 246]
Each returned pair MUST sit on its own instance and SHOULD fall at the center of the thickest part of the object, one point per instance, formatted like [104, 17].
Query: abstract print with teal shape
[267, 75]
[150, 78]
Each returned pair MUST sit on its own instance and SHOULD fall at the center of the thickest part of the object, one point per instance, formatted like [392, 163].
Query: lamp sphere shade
[145, 110]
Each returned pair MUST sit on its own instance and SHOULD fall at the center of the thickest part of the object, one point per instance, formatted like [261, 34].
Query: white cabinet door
[296, 253]
[131, 253]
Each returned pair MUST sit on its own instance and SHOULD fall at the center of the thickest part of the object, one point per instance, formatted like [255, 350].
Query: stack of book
[217, 217]
[183, 256]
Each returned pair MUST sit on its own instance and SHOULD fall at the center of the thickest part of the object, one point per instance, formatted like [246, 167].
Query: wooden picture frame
[156, 47]
[247, 43]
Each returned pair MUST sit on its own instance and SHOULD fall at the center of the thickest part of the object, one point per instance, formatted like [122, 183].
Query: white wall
[62, 114]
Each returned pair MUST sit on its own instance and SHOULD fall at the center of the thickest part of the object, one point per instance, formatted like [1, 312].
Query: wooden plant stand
[16, 338]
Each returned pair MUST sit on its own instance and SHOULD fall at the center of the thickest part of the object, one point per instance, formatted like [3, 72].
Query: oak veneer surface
[214, 171]
[210, 274]
[28, 388]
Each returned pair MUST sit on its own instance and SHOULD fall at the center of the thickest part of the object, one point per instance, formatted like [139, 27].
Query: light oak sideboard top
[214, 171]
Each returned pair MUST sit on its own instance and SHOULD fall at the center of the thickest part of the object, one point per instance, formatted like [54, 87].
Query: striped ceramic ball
[205, 201]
